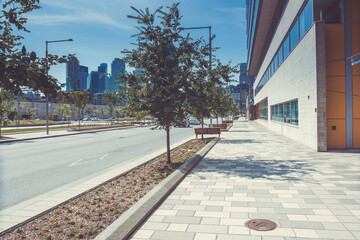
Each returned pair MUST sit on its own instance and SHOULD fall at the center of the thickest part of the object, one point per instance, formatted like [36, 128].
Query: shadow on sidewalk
[248, 167]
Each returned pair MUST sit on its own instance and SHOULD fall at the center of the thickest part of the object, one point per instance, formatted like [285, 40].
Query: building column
[348, 74]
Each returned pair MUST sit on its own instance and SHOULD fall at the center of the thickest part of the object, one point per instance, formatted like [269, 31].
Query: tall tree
[166, 58]
[18, 67]
[5, 109]
[111, 99]
[79, 99]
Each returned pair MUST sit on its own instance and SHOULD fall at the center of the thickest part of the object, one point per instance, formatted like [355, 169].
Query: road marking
[89, 159]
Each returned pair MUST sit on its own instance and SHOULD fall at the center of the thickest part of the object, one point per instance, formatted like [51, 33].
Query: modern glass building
[72, 75]
[117, 70]
[303, 54]
[83, 75]
[94, 82]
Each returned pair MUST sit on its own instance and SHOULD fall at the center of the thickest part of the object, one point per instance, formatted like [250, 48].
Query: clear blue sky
[101, 30]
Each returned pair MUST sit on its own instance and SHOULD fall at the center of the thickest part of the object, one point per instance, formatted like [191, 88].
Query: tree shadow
[248, 167]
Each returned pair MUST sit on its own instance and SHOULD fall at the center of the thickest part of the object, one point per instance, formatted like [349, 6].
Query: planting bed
[89, 214]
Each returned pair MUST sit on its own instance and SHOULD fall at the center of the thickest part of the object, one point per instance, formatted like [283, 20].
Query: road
[31, 168]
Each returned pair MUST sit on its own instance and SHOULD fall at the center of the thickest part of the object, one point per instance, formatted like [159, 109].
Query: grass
[29, 129]
[29, 122]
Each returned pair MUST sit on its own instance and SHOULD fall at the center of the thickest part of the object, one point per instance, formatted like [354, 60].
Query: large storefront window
[285, 112]
[263, 108]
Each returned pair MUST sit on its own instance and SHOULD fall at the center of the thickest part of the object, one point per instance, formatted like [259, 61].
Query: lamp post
[47, 73]
[210, 55]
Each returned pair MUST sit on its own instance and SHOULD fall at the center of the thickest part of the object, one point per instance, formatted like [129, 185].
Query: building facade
[306, 86]
[72, 75]
[117, 70]
[83, 75]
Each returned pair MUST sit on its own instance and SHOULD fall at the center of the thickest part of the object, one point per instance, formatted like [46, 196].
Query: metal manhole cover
[261, 224]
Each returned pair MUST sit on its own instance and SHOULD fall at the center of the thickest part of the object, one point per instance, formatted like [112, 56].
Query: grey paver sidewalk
[260, 174]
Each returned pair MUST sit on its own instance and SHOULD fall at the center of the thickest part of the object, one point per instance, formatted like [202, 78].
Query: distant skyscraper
[103, 78]
[244, 78]
[94, 82]
[72, 75]
[117, 70]
[83, 75]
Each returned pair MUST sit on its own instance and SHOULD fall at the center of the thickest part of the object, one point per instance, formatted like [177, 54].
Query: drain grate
[261, 224]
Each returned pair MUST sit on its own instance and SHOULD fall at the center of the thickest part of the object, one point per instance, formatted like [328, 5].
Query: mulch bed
[88, 215]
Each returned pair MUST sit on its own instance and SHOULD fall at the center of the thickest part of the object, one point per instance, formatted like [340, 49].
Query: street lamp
[209, 27]
[47, 73]
[210, 55]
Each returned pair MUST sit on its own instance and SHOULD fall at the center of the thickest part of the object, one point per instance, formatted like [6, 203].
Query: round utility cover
[261, 224]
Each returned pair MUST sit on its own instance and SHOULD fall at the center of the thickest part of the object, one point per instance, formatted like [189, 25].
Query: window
[305, 19]
[263, 108]
[286, 47]
[285, 112]
[281, 55]
[294, 112]
[294, 36]
[302, 23]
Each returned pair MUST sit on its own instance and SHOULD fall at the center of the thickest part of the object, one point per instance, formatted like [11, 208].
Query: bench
[228, 121]
[222, 126]
[214, 130]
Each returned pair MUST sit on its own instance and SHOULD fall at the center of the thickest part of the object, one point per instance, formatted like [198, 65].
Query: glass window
[281, 55]
[294, 113]
[305, 19]
[276, 111]
[281, 118]
[272, 112]
[286, 47]
[263, 108]
[294, 36]
[277, 61]
[287, 112]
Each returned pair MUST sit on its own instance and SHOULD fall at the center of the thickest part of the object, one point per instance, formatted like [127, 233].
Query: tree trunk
[167, 129]
[217, 119]
[202, 126]
[79, 120]
[0, 128]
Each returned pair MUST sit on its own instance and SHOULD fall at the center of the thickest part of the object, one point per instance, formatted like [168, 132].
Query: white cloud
[63, 12]
[90, 17]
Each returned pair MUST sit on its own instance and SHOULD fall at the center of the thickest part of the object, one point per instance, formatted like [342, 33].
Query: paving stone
[205, 236]
[334, 234]
[166, 235]
[203, 228]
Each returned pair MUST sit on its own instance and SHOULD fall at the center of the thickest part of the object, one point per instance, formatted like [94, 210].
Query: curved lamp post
[47, 73]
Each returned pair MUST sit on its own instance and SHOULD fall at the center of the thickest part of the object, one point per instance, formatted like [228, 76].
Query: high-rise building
[244, 78]
[303, 54]
[94, 82]
[103, 78]
[72, 75]
[117, 70]
[83, 75]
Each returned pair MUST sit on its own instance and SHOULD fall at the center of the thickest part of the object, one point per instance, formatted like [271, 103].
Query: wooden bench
[228, 121]
[222, 126]
[213, 130]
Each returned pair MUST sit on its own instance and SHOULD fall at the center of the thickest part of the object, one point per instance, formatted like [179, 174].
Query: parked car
[194, 121]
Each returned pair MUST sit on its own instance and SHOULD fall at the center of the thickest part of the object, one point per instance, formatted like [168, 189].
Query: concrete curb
[127, 223]
[63, 135]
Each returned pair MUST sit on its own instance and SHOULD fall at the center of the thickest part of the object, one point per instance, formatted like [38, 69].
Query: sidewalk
[257, 174]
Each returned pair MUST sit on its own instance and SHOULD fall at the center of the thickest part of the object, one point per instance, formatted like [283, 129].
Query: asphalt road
[31, 168]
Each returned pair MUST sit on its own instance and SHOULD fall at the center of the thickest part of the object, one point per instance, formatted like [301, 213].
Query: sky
[101, 29]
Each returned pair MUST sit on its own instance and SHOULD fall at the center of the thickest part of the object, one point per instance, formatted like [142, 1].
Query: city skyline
[102, 30]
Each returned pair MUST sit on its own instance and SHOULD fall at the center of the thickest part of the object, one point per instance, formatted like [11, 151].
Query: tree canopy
[18, 67]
